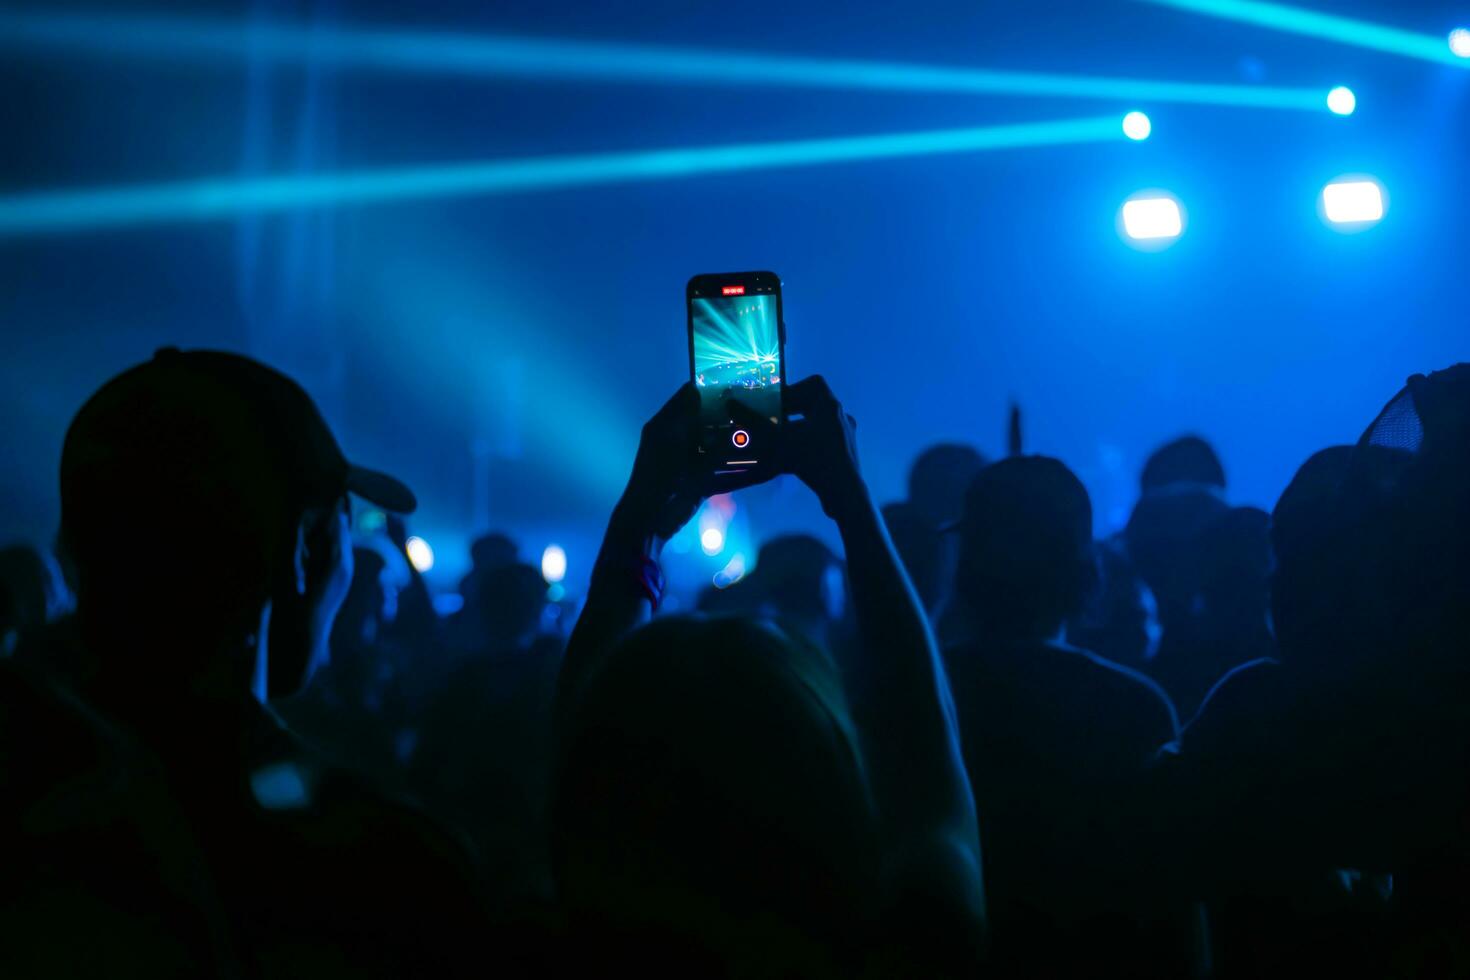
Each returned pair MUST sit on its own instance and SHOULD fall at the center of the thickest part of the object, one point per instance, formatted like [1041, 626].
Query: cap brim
[381, 489]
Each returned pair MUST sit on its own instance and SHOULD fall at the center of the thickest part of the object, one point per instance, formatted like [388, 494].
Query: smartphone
[737, 358]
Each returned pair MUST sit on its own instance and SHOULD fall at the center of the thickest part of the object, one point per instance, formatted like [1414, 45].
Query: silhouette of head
[510, 600]
[487, 553]
[199, 492]
[1188, 459]
[938, 481]
[799, 576]
[711, 798]
[1235, 577]
[1026, 563]
[1163, 540]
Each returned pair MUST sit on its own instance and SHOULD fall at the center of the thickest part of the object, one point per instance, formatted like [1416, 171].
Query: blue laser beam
[1326, 27]
[204, 200]
[208, 41]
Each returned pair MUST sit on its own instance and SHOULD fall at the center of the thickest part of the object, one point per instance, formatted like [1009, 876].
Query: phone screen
[736, 350]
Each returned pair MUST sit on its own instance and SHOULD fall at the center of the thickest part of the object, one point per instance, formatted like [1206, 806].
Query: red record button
[740, 438]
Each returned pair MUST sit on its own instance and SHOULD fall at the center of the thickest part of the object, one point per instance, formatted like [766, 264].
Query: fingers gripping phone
[737, 358]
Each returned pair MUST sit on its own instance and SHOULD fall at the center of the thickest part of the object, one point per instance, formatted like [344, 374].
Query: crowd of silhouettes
[238, 738]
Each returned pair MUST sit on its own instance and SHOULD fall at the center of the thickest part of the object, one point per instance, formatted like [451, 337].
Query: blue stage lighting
[1136, 126]
[1342, 101]
[1153, 218]
[206, 200]
[1460, 42]
[712, 540]
[1326, 27]
[502, 55]
[1353, 202]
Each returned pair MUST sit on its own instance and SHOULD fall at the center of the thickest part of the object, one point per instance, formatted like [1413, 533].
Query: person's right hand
[821, 447]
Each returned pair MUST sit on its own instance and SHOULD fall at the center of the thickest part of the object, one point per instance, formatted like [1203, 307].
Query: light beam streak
[444, 53]
[1326, 27]
[205, 200]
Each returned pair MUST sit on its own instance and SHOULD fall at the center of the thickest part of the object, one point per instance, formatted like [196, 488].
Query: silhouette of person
[205, 505]
[712, 791]
[1058, 741]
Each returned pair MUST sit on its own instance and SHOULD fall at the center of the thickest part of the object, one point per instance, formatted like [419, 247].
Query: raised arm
[662, 494]
[910, 735]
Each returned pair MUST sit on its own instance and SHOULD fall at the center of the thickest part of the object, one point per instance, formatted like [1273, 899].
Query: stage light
[1460, 42]
[1326, 27]
[712, 540]
[206, 200]
[1136, 126]
[1152, 217]
[553, 564]
[208, 41]
[1356, 203]
[419, 553]
[1342, 101]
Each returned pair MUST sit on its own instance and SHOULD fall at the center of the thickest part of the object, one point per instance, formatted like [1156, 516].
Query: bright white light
[712, 540]
[553, 564]
[419, 553]
[1342, 101]
[1152, 218]
[1460, 42]
[1352, 201]
[1136, 126]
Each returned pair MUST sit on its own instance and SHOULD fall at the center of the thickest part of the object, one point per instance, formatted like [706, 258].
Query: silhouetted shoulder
[1154, 708]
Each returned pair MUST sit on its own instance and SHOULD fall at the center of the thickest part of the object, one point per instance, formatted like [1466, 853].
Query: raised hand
[821, 446]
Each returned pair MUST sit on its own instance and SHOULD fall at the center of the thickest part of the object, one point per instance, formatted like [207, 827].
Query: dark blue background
[537, 331]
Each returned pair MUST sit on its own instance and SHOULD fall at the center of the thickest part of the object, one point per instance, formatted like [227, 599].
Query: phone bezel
[762, 283]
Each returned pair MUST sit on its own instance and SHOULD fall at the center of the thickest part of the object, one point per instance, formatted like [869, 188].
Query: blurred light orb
[712, 540]
[1460, 42]
[1137, 126]
[1342, 101]
[553, 564]
[1155, 217]
[1355, 202]
[419, 554]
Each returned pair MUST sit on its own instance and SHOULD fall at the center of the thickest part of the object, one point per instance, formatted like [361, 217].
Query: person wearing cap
[205, 504]
[1056, 739]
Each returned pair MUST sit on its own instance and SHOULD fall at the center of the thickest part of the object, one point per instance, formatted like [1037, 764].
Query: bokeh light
[553, 564]
[1342, 101]
[1137, 126]
[419, 553]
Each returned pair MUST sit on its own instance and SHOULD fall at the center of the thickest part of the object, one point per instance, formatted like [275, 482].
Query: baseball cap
[1035, 499]
[219, 394]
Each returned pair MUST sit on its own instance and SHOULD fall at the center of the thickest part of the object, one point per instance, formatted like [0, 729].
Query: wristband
[650, 580]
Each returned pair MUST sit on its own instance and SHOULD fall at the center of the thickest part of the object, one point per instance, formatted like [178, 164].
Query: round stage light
[553, 564]
[1342, 101]
[419, 553]
[1136, 126]
[712, 540]
[1460, 42]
